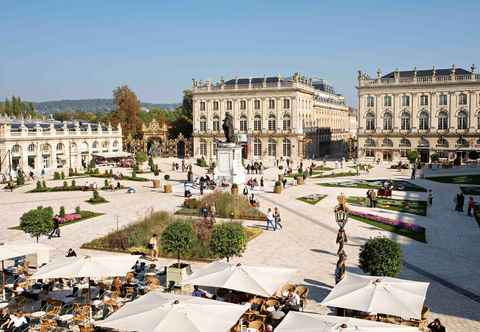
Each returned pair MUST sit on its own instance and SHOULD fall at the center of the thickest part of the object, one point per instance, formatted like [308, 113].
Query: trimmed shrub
[166, 177]
[37, 222]
[56, 176]
[20, 179]
[44, 184]
[202, 162]
[62, 175]
[39, 185]
[381, 256]
[65, 184]
[141, 157]
[228, 240]
[178, 237]
[434, 157]
[78, 210]
[412, 156]
[74, 184]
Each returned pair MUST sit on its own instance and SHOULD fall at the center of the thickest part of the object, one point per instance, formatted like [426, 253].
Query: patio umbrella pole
[3, 281]
[89, 302]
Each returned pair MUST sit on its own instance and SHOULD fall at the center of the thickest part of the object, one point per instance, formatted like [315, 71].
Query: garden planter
[177, 273]
[277, 189]
[167, 188]
[156, 183]
[300, 180]
[234, 190]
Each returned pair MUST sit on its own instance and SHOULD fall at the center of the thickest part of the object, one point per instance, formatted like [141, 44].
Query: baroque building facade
[47, 146]
[274, 117]
[431, 111]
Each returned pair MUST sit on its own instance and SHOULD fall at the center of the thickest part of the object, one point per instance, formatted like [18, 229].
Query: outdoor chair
[85, 328]
[53, 309]
[81, 313]
[257, 324]
[47, 325]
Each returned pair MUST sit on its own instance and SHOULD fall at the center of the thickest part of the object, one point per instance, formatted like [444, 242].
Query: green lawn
[400, 231]
[334, 175]
[459, 179]
[475, 191]
[400, 205]
[312, 199]
[322, 168]
[85, 214]
[400, 185]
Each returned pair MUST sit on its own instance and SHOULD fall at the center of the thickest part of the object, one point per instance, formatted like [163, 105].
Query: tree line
[18, 108]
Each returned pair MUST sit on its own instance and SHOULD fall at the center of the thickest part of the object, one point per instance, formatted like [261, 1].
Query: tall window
[202, 106]
[272, 147]
[272, 122]
[443, 121]
[203, 147]
[462, 99]
[387, 142]
[370, 121]
[370, 101]
[257, 123]
[229, 105]
[286, 103]
[271, 104]
[462, 120]
[243, 123]
[257, 147]
[215, 105]
[423, 121]
[405, 121]
[286, 122]
[115, 146]
[423, 100]
[387, 101]
[95, 145]
[203, 123]
[287, 147]
[59, 147]
[104, 146]
[243, 104]
[387, 121]
[405, 101]
[462, 142]
[214, 148]
[443, 100]
[216, 123]
[31, 148]
[256, 104]
[16, 148]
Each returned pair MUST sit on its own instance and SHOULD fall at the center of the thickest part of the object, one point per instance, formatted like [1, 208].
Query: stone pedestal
[228, 166]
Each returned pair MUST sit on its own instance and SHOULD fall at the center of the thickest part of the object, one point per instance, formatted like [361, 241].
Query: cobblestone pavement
[450, 260]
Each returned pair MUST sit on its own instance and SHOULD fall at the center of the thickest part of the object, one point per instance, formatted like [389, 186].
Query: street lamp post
[341, 217]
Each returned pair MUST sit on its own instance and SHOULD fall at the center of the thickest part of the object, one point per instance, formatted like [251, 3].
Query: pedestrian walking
[56, 229]
[278, 220]
[245, 191]
[369, 197]
[430, 197]
[270, 219]
[456, 200]
[261, 182]
[152, 245]
[471, 206]
[373, 195]
[413, 172]
[461, 201]
[284, 182]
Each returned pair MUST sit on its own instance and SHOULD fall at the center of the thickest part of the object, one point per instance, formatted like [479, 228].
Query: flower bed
[458, 179]
[412, 231]
[400, 205]
[71, 218]
[312, 199]
[399, 185]
[334, 175]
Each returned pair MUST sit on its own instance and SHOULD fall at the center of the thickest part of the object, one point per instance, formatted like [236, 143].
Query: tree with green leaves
[37, 222]
[381, 256]
[141, 157]
[412, 156]
[127, 109]
[178, 237]
[228, 240]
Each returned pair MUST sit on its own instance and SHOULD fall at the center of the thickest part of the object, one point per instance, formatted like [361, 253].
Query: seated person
[17, 322]
[17, 289]
[436, 326]
[292, 302]
[197, 292]
[71, 253]
[4, 317]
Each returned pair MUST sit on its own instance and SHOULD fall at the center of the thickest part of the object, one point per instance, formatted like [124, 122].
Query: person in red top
[471, 206]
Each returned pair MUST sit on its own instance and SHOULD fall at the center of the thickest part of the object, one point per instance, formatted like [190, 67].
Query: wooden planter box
[300, 180]
[167, 188]
[177, 274]
[278, 189]
[280, 178]
[156, 183]
[234, 190]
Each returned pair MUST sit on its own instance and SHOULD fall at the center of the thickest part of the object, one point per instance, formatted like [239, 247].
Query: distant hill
[88, 105]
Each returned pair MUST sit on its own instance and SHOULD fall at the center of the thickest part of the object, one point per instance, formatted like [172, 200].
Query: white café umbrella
[258, 280]
[158, 311]
[392, 296]
[303, 322]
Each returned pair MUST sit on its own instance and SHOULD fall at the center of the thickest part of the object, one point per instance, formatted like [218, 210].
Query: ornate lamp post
[341, 217]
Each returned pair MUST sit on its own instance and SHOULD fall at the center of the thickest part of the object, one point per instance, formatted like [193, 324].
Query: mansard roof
[428, 72]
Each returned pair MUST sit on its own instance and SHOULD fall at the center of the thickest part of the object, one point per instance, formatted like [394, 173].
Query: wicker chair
[47, 325]
[81, 313]
[54, 308]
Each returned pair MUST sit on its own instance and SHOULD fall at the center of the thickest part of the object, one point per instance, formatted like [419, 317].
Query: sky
[52, 50]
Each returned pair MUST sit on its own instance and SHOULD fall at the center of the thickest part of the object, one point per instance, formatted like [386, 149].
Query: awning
[107, 155]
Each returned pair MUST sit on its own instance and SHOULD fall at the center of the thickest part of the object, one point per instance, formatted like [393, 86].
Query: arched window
[462, 142]
[203, 147]
[31, 148]
[387, 121]
[73, 147]
[405, 121]
[370, 142]
[286, 122]
[287, 147]
[443, 120]
[387, 142]
[405, 142]
[45, 148]
[462, 99]
[257, 123]
[203, 123]
[84, 147]
[423, 121]
[370, 101]
[59, 147]
[115, 145]
[272, 122]
[462, 120]
[272, 147]
[105, 146]
[216, 123]
[243, 123]
[442, 142]
[257, 147]
[423, 143]
[370, 121]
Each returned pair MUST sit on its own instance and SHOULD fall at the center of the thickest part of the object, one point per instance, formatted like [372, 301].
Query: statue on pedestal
[228, 128]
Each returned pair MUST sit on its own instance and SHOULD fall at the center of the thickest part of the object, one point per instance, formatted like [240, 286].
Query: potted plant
[167, 187]
[278, 187]
[177, 238]
[234, 189]
[300, 179]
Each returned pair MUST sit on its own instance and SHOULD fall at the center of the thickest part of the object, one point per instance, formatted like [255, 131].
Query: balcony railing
[420, 80]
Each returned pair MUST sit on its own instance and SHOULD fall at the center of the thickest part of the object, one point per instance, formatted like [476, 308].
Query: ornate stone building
[274, 117]
[436, 110]
[51, 145]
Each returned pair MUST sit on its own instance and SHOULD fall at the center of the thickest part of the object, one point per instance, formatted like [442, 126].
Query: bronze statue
[228, 128]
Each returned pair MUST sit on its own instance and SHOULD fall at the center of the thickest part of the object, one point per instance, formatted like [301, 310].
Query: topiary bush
[166, 177]
[62, 175]
[20, 179]
[37, 222]
[65, 184]
[178, 237]
[228, 240]
[412, 156]
[78, 210]
[381, 256]
[141, 157]
[56, 176]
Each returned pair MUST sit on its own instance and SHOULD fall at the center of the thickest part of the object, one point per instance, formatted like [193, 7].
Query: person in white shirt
[293, 301]
[270, 220]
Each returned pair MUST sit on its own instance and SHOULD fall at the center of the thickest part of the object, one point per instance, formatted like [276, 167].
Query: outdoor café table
[3, 305]
[277, 315]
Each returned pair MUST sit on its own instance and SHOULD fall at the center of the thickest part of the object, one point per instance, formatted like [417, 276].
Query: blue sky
[84, 49]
